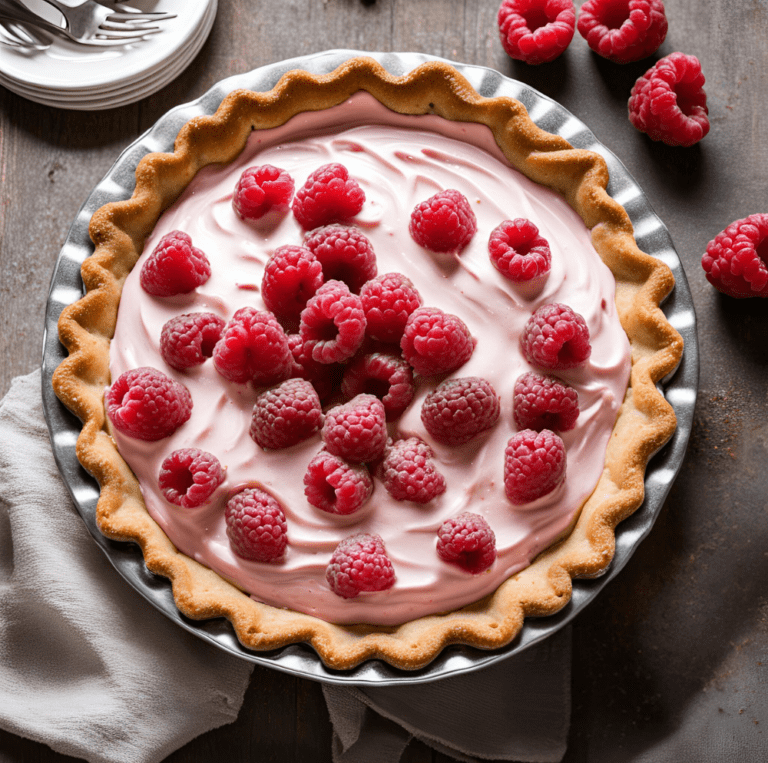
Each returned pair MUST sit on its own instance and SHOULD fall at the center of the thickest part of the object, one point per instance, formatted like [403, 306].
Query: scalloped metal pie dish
[680, 388]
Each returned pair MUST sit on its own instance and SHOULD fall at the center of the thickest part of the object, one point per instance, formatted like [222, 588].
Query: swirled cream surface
[399, 161]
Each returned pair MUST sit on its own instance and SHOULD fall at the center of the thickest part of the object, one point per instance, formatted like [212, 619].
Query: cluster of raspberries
[668, 102]
[369, 337]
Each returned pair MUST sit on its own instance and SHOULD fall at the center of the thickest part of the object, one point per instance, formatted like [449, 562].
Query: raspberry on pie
[261, 190]
[174, 267]
[328, 196]
[360, 564]
[253, 347]
[444, 222]
[435, 342]
[147, 404]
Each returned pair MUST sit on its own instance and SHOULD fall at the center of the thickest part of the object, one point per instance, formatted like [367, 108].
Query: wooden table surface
[670, 661]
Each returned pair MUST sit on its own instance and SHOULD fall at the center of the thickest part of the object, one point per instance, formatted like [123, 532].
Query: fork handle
[12, 10]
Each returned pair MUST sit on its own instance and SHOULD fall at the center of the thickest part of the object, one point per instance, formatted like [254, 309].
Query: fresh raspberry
[388, 300]
[256, 525]
[189, 476]
[174, 267]
[344, 253]
[435, 342]
[332, 324]
[146, 404]
[291, 277]
[444, 222]
[334, 486]
[556, 338]
[458, 409]
[356, 431]
[536, 31]
[286, 415]
[360, 563]
[262, 189]
[467, 540]
[669, 103]
[541, 402]
[408, 473]
[388, 377]
[736, 260]
[188, 340]
[518, 251]
[623, 30]
[254, 348]
[328, 196]
[325, 377]
[534, 465]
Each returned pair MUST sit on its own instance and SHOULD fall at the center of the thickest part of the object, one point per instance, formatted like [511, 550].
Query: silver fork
[92, 18]
[13, 11]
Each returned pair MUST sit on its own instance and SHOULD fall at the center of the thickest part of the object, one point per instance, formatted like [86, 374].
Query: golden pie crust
[645, 422]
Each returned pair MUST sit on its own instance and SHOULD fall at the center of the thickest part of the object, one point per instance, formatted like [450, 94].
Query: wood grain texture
[669, 663]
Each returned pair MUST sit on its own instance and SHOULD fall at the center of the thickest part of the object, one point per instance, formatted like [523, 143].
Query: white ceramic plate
[65, 67]
[121, 95]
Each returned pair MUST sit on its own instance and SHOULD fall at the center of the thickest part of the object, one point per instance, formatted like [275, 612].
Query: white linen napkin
[87, 666]
[91, 669]
[518, 709]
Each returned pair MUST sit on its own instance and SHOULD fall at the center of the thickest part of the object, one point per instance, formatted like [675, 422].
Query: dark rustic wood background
[670, 662]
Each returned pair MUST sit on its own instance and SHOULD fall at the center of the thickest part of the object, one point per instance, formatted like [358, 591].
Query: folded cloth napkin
[87, 666]
[518, 709]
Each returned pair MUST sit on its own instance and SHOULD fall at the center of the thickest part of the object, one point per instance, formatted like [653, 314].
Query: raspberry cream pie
[369, 362]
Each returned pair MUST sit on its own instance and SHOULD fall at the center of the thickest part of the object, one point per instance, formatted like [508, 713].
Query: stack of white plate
[88, 78]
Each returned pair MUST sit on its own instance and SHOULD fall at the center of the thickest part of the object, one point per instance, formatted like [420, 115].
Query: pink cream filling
[399, 161]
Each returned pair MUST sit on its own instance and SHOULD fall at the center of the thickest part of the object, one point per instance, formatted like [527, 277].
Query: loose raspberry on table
[188, 340]
[623, 30]
[534, 465]
[518, 251]
[335, 486]
[541, 402]
[332, 324]
[669, 103]
[468, 541]
[556, 338]
[360, 564]
[325, 377]
[388, 377]
[146, 404]
[536, 31]
[286, 415]
[408, 473]
[253, 347]
[435, 342]
[444, 222]
[736, 260]
[256, 525]
[188, 477]
[344, 254]
[356, 431]
[458, 409]
[388, 300]
[328, 196]
[292, 276]
[174, 267]
[261, 190]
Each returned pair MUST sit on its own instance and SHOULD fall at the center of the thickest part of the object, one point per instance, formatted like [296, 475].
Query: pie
[426, 130]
